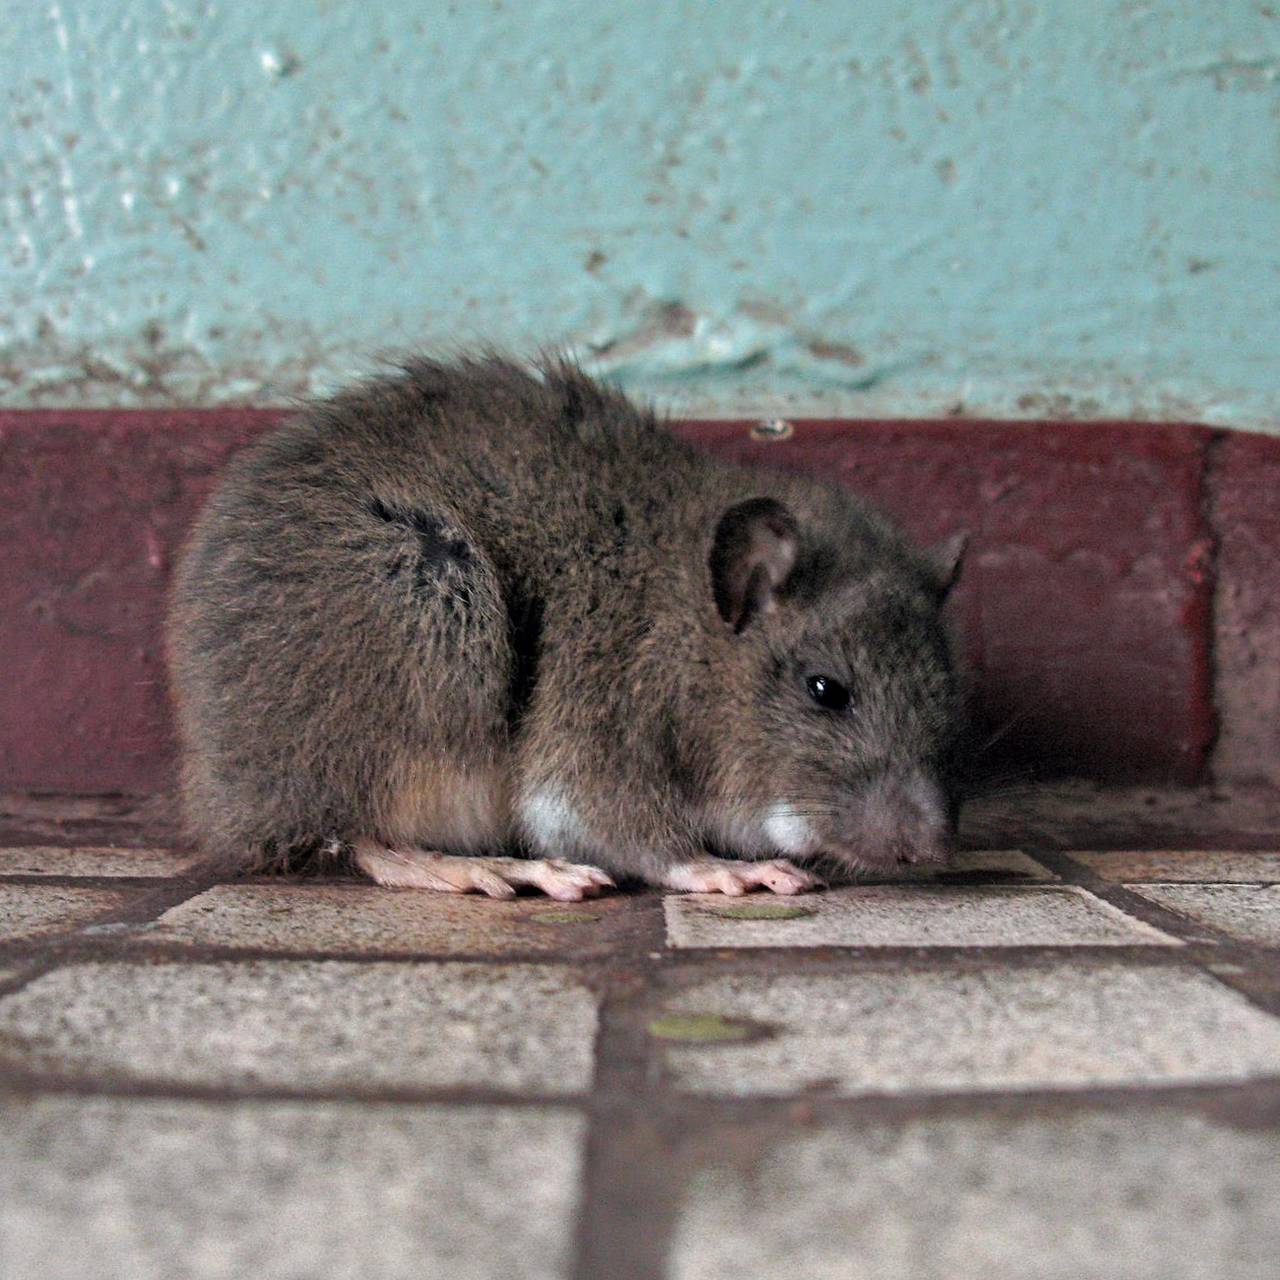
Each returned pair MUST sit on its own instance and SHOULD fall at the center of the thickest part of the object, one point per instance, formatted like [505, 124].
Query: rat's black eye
[827, 692]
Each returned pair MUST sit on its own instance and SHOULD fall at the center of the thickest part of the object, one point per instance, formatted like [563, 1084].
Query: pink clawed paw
[494, 877]
[736, 878]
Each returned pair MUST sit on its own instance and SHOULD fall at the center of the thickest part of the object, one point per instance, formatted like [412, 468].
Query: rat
[474, 624]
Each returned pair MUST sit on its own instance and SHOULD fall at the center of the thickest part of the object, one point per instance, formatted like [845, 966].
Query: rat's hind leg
[496, 877]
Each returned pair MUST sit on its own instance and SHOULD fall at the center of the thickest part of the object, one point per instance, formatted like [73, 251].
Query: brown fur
[415, 611]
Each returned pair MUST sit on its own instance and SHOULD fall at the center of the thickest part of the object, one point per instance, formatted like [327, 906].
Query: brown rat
[480, 626]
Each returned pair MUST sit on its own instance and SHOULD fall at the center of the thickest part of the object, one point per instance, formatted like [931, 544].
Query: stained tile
[904, 1029]
[972, 866]
[908, 916]
[50, 860]
[101, 1188]
[1133, 1196]
[1176, 865]
[1249, 912]
[357, 918]
[29, 911]
[305, 1024]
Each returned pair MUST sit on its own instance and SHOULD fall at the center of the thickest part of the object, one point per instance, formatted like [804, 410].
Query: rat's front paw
[567, 881]
[495, 877]
[718, 875]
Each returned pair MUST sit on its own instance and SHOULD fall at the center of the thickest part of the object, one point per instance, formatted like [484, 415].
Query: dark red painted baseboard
[1087, 606]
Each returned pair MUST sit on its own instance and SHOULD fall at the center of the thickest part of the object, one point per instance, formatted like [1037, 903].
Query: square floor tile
[970, 866]
[30, 911]
[1249, 912]
[905, 1029]
[1131, 1196]
[99, 1189]
[908, 916]
[50, 860]
[356, 918]
[1161, 865]
[308, 1024]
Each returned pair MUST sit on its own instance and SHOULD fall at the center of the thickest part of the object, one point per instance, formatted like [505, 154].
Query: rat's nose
[905, 818]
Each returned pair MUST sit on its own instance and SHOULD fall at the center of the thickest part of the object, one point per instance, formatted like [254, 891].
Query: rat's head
[843, 741]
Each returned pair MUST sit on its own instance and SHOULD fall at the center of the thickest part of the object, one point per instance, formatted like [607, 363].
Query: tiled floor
[1042, 1063]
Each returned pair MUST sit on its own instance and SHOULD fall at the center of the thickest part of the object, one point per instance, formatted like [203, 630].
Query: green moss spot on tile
[565, 917]
[701, 1028]
[761, 911]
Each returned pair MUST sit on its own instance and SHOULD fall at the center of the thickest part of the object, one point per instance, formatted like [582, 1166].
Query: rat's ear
[945, 562]
[753, 552]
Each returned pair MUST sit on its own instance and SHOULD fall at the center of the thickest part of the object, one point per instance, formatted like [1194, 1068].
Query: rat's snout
[901, 817]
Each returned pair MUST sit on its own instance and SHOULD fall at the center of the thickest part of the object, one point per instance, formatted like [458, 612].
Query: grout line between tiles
[628, 1201]
[1133, 904]
[46, 952]
[1246, 969]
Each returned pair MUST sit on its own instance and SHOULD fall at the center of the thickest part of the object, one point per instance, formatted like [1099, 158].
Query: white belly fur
[550, 821]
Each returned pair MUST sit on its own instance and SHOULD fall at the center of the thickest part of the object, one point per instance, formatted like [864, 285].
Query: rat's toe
[730, 883]
[490, 883]
[783, 877]
[564, 881]
[736, 878]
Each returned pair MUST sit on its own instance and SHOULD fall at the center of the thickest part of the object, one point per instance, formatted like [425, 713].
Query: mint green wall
[1047, 207]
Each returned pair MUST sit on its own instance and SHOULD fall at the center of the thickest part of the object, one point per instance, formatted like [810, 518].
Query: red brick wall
[1119, 584]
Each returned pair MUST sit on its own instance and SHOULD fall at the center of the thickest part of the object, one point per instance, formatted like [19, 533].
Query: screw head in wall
[772, 429]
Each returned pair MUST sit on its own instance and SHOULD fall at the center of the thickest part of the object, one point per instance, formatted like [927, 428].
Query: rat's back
[355, 618]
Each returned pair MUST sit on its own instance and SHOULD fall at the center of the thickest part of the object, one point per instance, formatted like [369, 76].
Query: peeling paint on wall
[990, 207]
